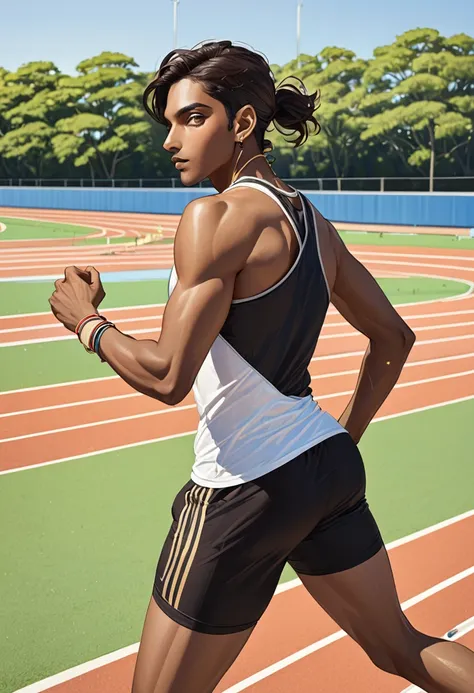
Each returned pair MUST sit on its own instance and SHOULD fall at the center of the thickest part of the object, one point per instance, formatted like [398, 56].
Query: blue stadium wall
[413, 209]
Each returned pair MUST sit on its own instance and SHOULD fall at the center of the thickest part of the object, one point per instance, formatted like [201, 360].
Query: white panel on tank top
[247, 427]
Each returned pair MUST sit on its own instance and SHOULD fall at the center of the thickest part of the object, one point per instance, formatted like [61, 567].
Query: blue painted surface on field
[414, 209]
[126, 276]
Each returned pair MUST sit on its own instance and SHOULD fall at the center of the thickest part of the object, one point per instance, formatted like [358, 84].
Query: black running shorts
[227, 547]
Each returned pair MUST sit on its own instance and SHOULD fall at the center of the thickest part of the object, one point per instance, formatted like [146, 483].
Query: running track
[88, 420]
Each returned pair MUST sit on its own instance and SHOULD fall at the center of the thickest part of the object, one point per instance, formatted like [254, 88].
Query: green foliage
[411, 105]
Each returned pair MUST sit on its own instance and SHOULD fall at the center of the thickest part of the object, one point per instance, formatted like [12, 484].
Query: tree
[28, 108]
[109, 124]
[410, 86]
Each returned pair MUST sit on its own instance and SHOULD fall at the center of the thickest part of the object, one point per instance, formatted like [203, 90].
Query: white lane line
[116, 259]
[116, 448]
[58, 325]
[453, 634]
[68, 405]
[61, 220]
[398, 385]
[463, 258]
[331, 311]
[147, 318]
[319, 644]
[148, 330]
[53, 386]
[327, 357]
[112, 398]
[99, 662]
[107, 310]
[422, 316]
[375, 261]
[104, 422]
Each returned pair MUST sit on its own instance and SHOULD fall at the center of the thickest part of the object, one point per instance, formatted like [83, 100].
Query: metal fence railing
[367, 184]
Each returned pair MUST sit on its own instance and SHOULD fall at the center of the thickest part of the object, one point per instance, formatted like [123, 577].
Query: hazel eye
[196, 115]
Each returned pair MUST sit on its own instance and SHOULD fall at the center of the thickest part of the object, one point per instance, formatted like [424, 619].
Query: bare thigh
[364, 603]
[174, 659]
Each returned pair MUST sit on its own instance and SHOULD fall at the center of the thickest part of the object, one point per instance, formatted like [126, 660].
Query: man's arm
[211, 247]
[361, 301]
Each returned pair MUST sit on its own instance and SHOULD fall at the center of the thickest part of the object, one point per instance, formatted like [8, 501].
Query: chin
[189, 180]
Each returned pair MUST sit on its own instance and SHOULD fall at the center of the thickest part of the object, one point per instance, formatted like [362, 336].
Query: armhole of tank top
[262, 188]
[316, 233]
[301, 243]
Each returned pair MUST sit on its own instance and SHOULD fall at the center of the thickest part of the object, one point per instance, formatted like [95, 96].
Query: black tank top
[276, 331]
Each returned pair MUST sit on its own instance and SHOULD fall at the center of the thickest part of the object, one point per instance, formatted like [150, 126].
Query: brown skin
[232, 245]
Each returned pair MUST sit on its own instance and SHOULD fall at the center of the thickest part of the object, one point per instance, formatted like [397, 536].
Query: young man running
[275, 478]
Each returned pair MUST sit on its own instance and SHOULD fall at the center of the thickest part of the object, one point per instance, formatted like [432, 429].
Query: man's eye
[196, 115]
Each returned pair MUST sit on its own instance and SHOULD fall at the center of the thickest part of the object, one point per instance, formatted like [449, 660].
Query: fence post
[172, 183]
[382, 185]
[141, 182]
[339, 184]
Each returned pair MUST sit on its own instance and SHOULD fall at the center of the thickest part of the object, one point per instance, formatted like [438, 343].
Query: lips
[180, 164]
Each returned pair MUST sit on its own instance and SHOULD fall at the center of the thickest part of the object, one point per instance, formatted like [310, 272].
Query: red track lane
[51, 395]
[37, 450]
[129, 403]
[416, 565]
[463, 307]
[117, 261]
[114, 223]
[294, 621]
[343, 666]
[47, 319]
[128, 321]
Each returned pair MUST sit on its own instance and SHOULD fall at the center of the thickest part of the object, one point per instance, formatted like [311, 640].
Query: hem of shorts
[194, 624]
[291, 456]
[370, 554]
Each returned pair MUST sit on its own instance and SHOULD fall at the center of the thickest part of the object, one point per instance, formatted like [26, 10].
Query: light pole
[298, 30]
[175, 23]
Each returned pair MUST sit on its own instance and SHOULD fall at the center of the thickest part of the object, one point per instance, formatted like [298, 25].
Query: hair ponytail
[295, 110]
[236, 76]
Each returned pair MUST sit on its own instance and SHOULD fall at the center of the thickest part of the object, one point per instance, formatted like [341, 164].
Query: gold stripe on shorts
[178, 538]
[202, 517]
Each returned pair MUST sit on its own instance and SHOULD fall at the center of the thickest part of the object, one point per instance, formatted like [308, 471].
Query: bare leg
[363, 601]
[174, 659]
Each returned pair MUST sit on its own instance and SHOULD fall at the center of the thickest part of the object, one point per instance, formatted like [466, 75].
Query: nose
[171, 144]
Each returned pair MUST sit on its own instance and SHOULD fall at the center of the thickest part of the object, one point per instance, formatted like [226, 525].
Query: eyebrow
[190, 107]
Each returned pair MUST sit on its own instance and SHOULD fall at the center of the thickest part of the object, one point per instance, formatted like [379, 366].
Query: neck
[258, 168]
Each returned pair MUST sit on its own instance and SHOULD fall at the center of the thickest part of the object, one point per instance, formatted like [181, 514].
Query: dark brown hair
[237, 76]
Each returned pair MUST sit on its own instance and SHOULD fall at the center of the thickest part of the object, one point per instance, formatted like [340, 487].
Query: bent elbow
[409, 337]
[169, 393]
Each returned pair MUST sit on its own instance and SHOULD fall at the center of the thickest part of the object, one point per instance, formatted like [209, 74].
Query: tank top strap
[296, 216]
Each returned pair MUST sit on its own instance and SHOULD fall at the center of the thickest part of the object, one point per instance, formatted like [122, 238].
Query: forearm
[138, 362]
[380, 370]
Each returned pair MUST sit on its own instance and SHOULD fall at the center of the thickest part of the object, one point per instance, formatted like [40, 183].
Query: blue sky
[67, 32]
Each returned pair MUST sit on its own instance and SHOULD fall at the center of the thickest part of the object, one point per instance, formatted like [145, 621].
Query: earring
[241, 142]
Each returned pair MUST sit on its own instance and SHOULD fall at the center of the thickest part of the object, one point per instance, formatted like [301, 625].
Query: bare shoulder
[215, 230]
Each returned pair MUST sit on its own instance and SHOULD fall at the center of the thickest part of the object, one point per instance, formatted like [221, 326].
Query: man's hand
[98, 293]
[77, 295]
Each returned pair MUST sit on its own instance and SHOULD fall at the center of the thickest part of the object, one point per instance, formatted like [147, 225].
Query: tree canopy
[406, 111]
